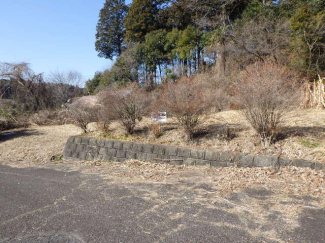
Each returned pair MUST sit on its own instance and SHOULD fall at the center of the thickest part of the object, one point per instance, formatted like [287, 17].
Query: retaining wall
[85, 148]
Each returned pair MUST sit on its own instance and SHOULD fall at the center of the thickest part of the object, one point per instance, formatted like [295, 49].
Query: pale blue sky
[51, 35]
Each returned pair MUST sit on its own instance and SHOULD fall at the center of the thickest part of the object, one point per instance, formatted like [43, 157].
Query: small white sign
[159, 116]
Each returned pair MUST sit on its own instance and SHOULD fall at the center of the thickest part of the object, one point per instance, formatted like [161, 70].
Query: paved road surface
[45, 205]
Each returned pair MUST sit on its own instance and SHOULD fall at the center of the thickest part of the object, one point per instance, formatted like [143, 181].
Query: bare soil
[302, 135]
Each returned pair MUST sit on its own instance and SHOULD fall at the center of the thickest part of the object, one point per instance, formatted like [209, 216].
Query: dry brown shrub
[127, 106]
[187, 100]
[156, 130]
[10, 118]
[220, 86]
[103, 126]
[82, 116]
[8, 124]
[51, 117]
[266, 92]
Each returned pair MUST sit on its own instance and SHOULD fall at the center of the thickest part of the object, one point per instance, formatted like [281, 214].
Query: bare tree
[29, 91]
[266, 93]
[127, 106]
[187, 100]
[65, 85]
[81, 116]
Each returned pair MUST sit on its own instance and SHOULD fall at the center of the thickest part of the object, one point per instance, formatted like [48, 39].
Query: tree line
[157, 41]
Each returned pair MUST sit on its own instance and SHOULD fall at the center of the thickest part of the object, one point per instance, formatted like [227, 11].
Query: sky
[52, 35]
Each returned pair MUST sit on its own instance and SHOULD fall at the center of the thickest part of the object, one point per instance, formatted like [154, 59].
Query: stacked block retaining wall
[86, 148]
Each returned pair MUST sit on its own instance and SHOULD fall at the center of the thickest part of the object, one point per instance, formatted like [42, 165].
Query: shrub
[41, 118]
[187, 100]
[103, 126]
[156, 130]
[266, 92]
[51, 117]
[9, 117]
[127, 106]
[7, 124]
[82, 116]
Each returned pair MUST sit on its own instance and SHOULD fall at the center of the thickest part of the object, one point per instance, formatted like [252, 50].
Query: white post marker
[159, 116]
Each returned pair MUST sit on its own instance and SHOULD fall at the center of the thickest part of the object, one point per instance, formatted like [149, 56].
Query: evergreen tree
[92, 84]
[308, 38]
[141, 19]
[110, 29]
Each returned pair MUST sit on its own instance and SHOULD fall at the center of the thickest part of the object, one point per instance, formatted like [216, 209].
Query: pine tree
[110, 29]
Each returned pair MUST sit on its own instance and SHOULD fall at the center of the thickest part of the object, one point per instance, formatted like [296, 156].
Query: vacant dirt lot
[259, 196]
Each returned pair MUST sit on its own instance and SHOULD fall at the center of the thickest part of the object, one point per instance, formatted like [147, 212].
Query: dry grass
[302, 136]
[288, 189]
[35, 145]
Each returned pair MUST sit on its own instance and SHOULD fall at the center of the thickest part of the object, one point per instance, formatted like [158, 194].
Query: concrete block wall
[85, 148]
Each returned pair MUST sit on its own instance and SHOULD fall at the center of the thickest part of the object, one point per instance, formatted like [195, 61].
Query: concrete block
[176, 162]
[120, 154]
[148, 148]
[197, 154]
[111, 152]
[67, 153]
[137, 147]
[285, 161]
[109, 144]
[107, 157]
[141, 156]
[319, 166]
[131, 155]
[118, 145]
[302, 163]
[77, 140]
[159, 149]
[89, 149]
[189, 161]
[174, 158]
[151, 157]
[70, 140]
[183, 152]
[202, 162]
[75, 155]
[90, 157]
[80, 148]
[212, 155]
[228, 157]
[219, 164]
[82, 155]
[103, 151]
[265, 161]
[85, 141]
[101, 142]
[171, 151]
[127, 146]
[72, 147]
[92, 142]
[245, 160]
[161, 159]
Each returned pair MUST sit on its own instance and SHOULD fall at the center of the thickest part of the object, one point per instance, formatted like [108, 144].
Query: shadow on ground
[4, 136]
[297, 131]
[222, 131]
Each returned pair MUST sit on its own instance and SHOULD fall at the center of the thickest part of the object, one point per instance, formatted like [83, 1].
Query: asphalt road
[45, 205]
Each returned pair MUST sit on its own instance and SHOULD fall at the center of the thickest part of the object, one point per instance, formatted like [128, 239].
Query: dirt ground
[302, 135]
[287, 192]
[36, 144]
